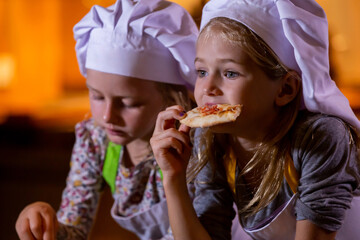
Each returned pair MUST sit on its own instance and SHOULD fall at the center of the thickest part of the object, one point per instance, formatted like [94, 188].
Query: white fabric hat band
[154, 65]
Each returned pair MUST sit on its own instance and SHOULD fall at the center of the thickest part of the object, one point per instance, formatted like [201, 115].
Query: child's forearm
[306, 230]
[183, 219]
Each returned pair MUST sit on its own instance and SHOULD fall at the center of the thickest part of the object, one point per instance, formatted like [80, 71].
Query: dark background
[34, 163]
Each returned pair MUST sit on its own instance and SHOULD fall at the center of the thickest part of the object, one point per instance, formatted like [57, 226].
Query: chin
[119, 140]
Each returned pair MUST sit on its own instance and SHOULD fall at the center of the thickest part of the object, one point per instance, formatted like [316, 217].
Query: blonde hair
[175, 95]
[270, 155]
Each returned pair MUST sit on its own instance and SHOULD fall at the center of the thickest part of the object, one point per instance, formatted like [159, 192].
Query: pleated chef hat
[297, 30]
[147, 39]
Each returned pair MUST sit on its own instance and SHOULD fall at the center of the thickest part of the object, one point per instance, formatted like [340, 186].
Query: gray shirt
[327, 162]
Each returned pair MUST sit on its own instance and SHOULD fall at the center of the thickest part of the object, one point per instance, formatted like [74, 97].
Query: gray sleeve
[213, 202]
[329, 172]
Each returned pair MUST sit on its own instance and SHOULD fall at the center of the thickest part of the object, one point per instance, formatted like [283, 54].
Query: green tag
[161, 174]
[111, 164]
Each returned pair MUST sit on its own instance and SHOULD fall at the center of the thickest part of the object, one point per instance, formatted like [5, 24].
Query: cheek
[149, 118]
[198, 91]
[97, 110]
[141, 119]
[141, 124]
[268, 93]
[237, 93]
[259, 104]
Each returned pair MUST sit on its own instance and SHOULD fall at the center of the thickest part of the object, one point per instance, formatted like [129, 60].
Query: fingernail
[182, 113]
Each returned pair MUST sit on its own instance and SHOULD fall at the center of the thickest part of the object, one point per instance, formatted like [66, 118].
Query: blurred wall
[38, 66]
[344, 30]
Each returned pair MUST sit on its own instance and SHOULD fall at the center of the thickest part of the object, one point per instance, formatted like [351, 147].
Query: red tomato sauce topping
[209, 109]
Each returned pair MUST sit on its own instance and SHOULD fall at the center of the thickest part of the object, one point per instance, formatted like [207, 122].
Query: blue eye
[230, 74]
[201, 73]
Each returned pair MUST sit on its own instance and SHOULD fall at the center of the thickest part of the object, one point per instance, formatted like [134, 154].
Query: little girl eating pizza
[289, 163]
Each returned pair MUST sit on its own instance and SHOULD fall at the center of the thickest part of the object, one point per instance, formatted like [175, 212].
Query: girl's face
[126, 107]
[226, 74]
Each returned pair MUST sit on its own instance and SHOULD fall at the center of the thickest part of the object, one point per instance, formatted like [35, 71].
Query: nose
[109, 112]
[211, 86]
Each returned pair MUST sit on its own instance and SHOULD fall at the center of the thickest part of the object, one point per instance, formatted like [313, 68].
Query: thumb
[183, 128]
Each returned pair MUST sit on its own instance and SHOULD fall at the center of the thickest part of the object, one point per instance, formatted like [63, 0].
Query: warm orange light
[90, 3]
[7, 69]
[339, 43]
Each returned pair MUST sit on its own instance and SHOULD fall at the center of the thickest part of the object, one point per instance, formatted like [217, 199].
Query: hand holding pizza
[171, 146]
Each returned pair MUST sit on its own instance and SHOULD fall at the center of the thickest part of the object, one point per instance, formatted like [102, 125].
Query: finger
[172, 133]
[184, 129]
[166, 119]
[23, 230]
[49, 235]
[171, 155]
[49, 226]
[36, 226]
[175, 107]
[171, 159]
[161, 146]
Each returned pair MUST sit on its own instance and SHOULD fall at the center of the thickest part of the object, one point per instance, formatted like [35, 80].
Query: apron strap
[291, 175]
[111, 164]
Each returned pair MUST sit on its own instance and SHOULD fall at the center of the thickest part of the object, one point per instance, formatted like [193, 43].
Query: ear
[289, 89]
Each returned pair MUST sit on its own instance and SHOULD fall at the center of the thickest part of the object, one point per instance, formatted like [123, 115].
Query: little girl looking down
[137, 57]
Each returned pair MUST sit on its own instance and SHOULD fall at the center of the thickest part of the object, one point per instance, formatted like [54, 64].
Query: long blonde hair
[175, 94]
[270, 155]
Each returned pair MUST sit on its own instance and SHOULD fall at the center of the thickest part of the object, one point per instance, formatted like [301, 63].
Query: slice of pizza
[211, 115]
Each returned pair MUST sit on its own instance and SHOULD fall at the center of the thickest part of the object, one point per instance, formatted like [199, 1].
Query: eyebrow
[91, 88]
[229, 60]
[198, 60]
[225, 60]
[122, 97]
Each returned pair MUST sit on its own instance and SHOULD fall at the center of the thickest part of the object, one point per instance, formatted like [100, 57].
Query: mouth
[210, 104]
[115, 132]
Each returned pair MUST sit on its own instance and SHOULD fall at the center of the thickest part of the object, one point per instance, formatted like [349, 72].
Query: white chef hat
[147, 39]
[297, 30]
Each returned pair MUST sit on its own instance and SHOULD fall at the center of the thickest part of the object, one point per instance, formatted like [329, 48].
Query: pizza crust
[211, 115]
